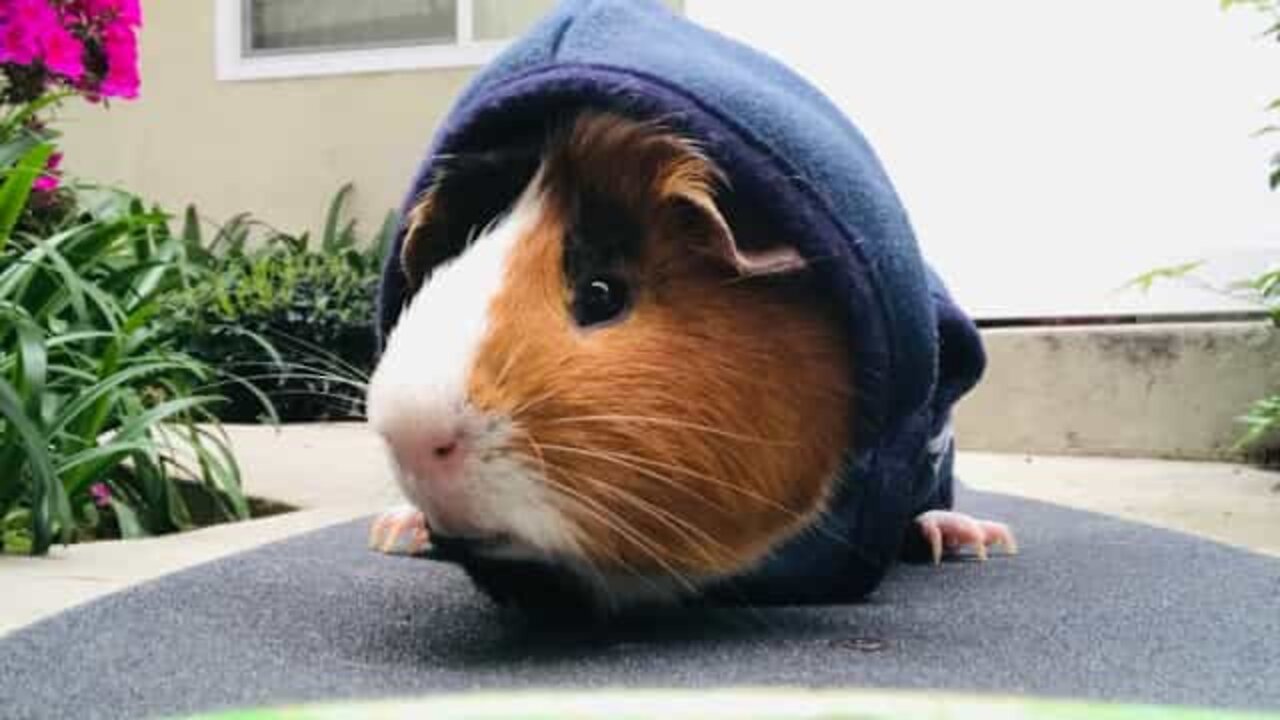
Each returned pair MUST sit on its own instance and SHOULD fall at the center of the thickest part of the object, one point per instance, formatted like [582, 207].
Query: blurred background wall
[1047, 151]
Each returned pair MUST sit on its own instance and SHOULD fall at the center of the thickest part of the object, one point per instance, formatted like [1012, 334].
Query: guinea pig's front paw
[947, 531]
[399, 531]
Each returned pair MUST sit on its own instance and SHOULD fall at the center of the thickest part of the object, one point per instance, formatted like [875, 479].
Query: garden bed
[118, 318]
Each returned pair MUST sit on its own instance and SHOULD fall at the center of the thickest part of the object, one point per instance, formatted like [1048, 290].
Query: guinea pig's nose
[434, 454]
[445, 448]
[439, 449]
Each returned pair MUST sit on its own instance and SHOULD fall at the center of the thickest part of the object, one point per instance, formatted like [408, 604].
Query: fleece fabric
[790, 152]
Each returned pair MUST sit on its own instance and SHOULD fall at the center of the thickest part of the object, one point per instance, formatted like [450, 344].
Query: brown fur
[416, 254]
[693, 436]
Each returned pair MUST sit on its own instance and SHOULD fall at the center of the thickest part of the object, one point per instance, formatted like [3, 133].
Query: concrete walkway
[335, 473]
[1233, 504]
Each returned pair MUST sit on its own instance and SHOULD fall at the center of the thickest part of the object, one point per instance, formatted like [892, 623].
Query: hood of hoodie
[790, 152]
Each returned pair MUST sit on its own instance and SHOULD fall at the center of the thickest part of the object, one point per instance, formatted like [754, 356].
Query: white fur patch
[434, 343]
[421, 382]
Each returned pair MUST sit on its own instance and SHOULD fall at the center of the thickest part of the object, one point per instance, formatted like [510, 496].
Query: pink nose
[446, 449]
[437, 456]
[435, 453]
[437, 465]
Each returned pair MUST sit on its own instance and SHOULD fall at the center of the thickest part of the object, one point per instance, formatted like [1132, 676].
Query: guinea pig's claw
[399, 531]
[946, 531]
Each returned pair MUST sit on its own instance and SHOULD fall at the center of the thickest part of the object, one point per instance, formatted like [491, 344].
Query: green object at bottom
[746, 704]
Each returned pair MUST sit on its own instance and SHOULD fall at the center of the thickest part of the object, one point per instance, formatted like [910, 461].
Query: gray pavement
[336, 472]
[1094, 608]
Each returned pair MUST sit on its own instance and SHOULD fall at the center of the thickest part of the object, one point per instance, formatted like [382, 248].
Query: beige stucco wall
[277, 148]
[985, 172]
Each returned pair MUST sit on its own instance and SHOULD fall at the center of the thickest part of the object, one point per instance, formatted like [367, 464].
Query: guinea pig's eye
[599, 299]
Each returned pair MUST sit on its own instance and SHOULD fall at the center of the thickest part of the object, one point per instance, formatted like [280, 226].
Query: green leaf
[104, 203]
[50, 508]
[73, 286]
[101, 389]
[1145, 281]
[19, 117]
[17, 188]
[1261, 422]
[385, 239]
[111, 451]
[83, 246]
[15, 532]
[191, 228]
[232, 235]
[12, 150]
[332, 239]
[33, 367]
[134, 427]
[1265, 285]
[264, 400]
[127, 519]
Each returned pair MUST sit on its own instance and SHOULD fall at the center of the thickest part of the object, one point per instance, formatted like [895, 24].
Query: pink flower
[29, 28]
[23, 23]
[48, 181]
[101, 493]
[120, 44]
[55, 37]
[122, 81]
[17, 44]
[64, 54]
[127, 12]
[121, 48]
[33, 14]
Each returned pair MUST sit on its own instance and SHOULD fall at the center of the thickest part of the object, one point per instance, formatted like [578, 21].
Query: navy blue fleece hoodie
[788, 150]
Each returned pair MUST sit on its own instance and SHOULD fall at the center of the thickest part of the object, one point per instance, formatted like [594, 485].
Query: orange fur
[692, 437]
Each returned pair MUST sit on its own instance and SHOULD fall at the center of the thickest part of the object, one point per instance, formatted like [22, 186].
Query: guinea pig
[599, 387]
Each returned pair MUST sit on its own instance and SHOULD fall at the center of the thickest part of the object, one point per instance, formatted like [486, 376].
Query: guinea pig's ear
[418, 254]
[700, 215]
[469, 191]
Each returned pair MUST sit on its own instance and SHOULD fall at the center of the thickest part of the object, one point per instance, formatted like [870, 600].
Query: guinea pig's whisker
[570, 504]
[326, 357]
[531, 403]
[537, 449]
[511, 359]
[336, 380]
[323, 368]
[637, 464]
[575, 502]
[353, 399]
[698, 538]
[355, 403]
[575, 505]
[671, 422]
[617, 524]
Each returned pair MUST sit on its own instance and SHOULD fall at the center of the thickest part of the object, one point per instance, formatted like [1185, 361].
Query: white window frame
[233, 65]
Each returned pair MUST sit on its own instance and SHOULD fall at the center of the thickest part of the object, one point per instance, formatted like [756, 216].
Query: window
[295, 38]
